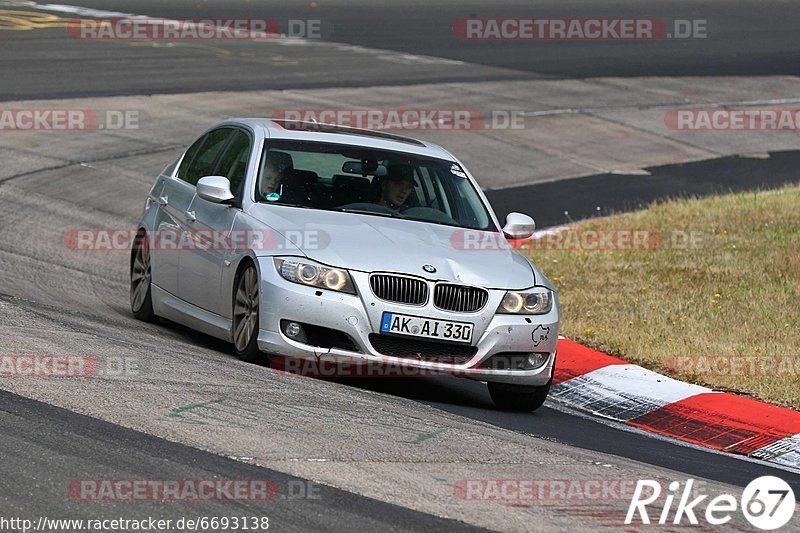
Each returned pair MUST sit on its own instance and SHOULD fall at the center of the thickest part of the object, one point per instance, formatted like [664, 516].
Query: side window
[191, 153]
[203, 160]
[233, 163]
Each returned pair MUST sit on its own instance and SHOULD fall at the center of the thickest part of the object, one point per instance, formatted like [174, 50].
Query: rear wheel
[518, 397]
[141, 298]
[245, 316]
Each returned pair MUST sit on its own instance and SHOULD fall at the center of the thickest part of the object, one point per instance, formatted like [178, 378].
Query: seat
[297, 187]
[352, 189]
[280, 160]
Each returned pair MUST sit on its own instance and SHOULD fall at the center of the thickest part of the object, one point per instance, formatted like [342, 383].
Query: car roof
[311, 131]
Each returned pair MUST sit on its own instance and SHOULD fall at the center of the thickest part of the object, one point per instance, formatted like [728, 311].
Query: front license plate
[415, 326]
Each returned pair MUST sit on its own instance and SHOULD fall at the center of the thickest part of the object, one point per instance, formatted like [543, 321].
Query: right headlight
[536, 301]
[305, 272]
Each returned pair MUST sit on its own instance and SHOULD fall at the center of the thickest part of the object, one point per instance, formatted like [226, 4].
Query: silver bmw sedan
[325, 243]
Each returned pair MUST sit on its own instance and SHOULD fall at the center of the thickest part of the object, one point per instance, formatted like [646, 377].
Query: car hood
[380, 244]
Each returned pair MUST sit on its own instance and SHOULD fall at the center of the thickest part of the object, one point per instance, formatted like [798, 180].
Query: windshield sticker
[455, 169]
[273, 197]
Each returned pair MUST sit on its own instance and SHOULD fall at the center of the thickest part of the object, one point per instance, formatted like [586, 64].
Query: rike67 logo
[767, 502]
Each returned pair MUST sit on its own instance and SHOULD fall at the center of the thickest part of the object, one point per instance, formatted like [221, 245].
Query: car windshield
[355, 179]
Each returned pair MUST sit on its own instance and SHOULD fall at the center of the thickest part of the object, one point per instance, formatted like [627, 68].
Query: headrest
[300, 178]
[343, 180]
[279, 160]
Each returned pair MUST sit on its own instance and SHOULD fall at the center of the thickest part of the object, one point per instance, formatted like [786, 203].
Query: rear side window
[202, 155]
[233, 163]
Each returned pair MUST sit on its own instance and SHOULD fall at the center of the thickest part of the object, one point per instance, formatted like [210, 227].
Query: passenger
[276, 167]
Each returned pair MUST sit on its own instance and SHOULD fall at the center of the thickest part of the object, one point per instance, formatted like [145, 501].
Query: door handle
[163, 201]
[190, 216]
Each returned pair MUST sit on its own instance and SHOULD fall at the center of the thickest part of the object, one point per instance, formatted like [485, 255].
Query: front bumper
[359, 315]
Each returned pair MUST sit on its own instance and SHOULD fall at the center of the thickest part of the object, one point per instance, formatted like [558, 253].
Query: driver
[396, 186]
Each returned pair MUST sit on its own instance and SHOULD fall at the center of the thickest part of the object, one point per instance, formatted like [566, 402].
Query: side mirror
[518, 226]
[216, 189]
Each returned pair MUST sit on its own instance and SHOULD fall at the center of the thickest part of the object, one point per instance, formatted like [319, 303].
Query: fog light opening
[294, 331]
[537, 359]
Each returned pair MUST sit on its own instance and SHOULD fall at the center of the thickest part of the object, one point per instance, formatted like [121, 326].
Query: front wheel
[141, 297]
[245, 316]
[518, 397]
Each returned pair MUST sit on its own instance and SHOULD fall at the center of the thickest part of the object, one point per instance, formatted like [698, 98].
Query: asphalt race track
[591, 196]
[359, 454]
[42, 442]
[753, 37]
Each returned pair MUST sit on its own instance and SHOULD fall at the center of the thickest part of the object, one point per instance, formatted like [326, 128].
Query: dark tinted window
[233, 164]
[204, 156]
[191, 153]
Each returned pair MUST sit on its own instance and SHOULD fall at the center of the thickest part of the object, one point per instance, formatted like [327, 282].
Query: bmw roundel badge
[430, 269]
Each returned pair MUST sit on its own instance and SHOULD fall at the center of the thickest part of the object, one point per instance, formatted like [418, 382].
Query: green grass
[735, 293]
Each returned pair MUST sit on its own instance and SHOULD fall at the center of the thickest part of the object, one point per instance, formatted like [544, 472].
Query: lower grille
[422, 350]
[329, 338]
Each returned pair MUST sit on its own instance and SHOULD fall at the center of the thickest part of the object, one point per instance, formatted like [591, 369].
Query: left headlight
[305, 272]
[536, 301]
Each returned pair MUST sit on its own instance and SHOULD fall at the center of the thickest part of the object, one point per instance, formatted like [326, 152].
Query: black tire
[518, 397]
[141, 279]
[246, 287]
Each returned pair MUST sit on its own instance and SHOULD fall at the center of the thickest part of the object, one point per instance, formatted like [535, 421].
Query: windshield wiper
[288, 205]
[368, 212]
